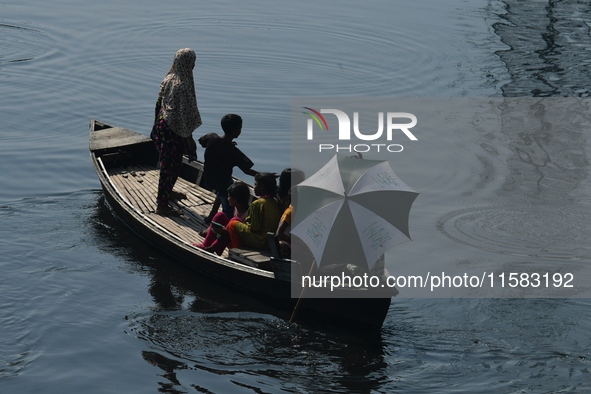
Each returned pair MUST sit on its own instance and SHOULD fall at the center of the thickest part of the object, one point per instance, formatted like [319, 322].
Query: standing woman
[177, 116]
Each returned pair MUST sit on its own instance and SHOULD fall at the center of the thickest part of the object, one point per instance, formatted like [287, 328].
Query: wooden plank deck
[139, 185]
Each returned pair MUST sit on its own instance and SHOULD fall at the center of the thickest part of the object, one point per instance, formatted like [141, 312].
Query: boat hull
[114, 149]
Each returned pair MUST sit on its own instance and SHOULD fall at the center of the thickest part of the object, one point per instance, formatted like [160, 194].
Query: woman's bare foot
[174, 195]
[168, 211]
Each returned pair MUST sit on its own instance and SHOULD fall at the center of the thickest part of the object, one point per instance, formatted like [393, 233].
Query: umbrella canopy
[352, 211]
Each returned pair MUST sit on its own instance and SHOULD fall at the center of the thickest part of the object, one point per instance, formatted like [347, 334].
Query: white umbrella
[352, 211]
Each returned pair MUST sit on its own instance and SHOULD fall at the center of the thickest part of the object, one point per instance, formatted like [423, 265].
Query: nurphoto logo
[396, 123]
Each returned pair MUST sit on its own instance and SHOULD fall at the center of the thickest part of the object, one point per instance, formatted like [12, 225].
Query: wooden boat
[126, 164]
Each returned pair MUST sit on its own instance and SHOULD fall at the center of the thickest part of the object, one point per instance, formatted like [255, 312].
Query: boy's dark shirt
[220, 157]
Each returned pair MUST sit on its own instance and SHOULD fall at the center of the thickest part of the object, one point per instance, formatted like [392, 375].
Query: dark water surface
[87, 307]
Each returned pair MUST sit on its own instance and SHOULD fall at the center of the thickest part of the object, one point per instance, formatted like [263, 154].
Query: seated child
[288, 178]
[283, 191]
[221, 156]
[262, 217]
[239, 198]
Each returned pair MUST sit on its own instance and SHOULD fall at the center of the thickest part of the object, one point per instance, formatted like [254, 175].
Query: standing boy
[221, 156]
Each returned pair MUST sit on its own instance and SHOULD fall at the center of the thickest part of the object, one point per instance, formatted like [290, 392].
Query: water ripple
[242, 346]
[560, 233]
[23, 43]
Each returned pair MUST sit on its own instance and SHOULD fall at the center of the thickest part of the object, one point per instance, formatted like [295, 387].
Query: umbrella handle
[299, 302]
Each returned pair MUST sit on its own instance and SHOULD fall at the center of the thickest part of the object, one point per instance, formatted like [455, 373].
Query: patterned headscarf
[177, 90]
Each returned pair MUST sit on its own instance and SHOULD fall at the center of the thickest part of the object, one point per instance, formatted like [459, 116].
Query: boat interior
[138, 184]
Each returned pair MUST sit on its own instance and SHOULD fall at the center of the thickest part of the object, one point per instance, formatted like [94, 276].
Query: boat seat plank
[116, 137]
[254, 258]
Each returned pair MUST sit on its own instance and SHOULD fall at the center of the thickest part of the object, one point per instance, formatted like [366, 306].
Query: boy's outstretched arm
[250, 171]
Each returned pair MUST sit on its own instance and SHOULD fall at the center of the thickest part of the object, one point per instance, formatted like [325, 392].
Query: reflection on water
[548, 47]
[199, 326]
[547, 139]
[227, 350]
[533, 155]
